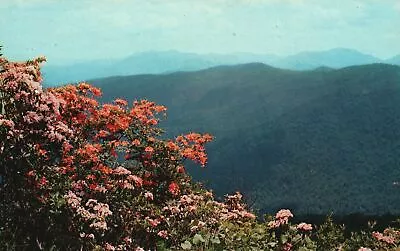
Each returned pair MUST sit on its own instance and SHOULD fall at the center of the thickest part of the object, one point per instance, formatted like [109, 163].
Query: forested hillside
[314, 141]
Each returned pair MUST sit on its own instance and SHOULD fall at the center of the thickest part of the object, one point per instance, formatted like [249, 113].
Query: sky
[80, 30]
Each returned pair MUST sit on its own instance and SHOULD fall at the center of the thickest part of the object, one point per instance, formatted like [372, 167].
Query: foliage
[331, 236]
[79, 175]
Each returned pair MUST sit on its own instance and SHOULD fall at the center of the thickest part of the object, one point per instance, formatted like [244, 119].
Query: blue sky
[76, 30]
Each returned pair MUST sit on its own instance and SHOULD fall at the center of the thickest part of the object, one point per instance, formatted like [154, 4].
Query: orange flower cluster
[114, 118]
[173, 188]
[145, 111]
[89, 152]
[192, 146]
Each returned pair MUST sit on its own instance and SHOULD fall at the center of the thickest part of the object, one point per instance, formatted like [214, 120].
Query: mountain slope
[314, 141]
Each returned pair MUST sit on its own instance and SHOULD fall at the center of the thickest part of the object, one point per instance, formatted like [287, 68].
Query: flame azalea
[173, 188]
[136, 142]
[149, 149]
[120, 102]
[172, 146]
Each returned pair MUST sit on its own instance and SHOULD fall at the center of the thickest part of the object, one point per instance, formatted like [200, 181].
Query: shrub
[77, 174]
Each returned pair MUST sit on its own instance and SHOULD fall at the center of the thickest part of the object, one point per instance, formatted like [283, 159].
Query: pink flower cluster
[121, 171]
[20, 86]
[72, 200]
[32, 117]
[304, 227]
[287, 247]
[137, 180]
[233, 208]
[163, 234]
[364, 249]
[109, 247]
[7, 123]
[388, 236]
[186, 205]
[148, 196]
[281, 218]
[95, 212]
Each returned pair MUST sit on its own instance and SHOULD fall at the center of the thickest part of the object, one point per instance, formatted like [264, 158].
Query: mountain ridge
[170, 61]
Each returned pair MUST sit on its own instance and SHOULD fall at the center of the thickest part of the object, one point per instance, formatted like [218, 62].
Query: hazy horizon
[75, 31]
[87, 60]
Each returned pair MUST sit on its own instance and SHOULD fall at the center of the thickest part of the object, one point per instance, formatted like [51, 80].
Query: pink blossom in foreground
[121, 171]
[287, 247]
[284, 214]
[6, 122]
[138, 181]
[304, 226]
[384, 238]
[149, 196]
[281, 218]
[153, 222]
[73, 200]
[163, 234]
[32, 117]
[109, 247]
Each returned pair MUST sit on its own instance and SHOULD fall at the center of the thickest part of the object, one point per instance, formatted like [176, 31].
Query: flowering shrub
[79, 175]
[84, 175]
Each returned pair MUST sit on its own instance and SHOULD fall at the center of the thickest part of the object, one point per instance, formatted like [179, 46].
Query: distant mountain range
[172, 61]
[313, 141]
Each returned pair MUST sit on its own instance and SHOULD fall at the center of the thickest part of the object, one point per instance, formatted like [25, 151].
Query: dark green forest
[318, 141]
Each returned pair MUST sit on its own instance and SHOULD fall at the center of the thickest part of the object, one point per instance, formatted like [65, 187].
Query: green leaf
[284, 239]
[197, 239]
[186, 245]
[161, 245]
[215, 240]
[296, 238]
[307, 240]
